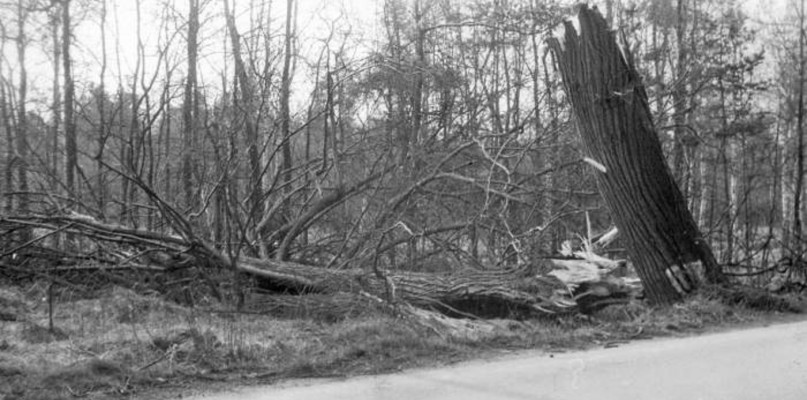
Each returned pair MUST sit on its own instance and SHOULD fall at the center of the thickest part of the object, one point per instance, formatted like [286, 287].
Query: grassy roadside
[125, 345]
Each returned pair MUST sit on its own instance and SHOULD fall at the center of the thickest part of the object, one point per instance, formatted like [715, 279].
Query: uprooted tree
[611, 110]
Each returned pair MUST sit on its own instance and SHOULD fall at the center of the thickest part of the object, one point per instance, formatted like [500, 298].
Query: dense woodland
[435, 137]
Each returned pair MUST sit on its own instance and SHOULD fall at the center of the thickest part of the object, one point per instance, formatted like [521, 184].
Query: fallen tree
[513, 293]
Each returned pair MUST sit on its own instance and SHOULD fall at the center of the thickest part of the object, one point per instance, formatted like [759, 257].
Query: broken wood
[513, 293]
[614, 120]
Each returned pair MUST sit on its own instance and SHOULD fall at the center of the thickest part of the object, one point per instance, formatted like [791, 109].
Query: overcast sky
[359, 17]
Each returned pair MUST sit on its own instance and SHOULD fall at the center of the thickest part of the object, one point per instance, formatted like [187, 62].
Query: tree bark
[797, 246]
[680, 105]
[285, 95]
[71, 150]
[21, 139]
[103, 133]
[510, 293]
[56, 105]
[8, 126]
[190, 110]
[285, 121]
[612, 114]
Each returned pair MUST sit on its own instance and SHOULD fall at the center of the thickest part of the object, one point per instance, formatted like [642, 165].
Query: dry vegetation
[304, 209]
[120, 344]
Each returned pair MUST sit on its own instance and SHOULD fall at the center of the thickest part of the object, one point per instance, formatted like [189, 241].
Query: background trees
[433, 138]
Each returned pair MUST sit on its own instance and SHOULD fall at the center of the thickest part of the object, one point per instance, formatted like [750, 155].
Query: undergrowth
[122, 343]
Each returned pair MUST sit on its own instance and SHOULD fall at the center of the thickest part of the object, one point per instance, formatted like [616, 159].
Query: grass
[120, 343]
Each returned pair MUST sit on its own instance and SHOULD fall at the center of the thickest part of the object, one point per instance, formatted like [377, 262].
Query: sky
[314, 18]
[358, 17]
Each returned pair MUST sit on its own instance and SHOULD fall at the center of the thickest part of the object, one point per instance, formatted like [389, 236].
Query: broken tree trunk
[515, 293]
[507, 293]
[612, 114]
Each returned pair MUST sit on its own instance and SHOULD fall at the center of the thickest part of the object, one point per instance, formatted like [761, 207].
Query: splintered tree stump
[614, 120]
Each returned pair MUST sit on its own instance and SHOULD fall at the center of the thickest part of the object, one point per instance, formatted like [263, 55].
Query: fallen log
[503, 293]
[515, 293]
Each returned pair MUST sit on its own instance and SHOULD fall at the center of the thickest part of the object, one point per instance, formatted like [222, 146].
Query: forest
[255, 190]
[378, 136]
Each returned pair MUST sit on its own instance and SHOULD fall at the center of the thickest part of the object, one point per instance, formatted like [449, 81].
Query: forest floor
[120, 344]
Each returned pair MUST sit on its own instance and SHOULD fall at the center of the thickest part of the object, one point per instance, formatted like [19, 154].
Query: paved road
[760, 363]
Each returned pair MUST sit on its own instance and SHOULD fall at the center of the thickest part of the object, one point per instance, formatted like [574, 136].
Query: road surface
[759, 363]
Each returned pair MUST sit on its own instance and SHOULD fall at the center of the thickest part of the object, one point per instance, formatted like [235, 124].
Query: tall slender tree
[56, 103]
[679, 99]
[8, 128]
[71, 150]
[190, 109]
[21, 137]
[102, 132]
[798, 246]
[285, 97]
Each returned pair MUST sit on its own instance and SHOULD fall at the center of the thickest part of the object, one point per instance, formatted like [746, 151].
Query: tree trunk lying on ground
[512, 293]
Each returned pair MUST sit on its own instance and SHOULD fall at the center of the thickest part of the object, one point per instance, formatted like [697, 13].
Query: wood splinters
[595, 164]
